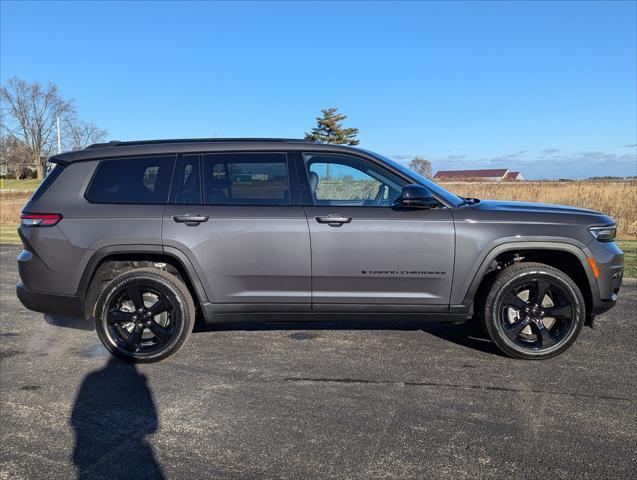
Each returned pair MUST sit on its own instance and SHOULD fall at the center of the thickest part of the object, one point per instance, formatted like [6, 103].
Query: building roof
[493, 172]
[511, 175]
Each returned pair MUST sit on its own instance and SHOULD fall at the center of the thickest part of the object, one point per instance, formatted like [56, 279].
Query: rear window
[47, 182]
[141, 180]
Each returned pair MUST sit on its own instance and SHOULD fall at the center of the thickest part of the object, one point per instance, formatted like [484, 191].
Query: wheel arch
[116, 259]
[567, 257]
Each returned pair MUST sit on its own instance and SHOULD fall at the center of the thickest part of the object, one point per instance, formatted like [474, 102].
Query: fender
[503, 245]
[182, 260]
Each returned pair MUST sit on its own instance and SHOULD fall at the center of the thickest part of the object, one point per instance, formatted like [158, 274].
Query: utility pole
[59, 135]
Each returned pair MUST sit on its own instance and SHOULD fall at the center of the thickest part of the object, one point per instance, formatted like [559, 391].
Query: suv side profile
[140, 237]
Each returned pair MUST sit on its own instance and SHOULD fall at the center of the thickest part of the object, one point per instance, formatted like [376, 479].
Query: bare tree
[79, 134]
[30, 111]
[15, 157]
[421, 165]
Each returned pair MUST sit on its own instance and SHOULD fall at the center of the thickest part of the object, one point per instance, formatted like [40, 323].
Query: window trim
[172, 156]
[178, 178]
[294, 196]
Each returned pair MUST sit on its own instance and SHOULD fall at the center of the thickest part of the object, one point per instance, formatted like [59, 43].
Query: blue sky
[547, 88]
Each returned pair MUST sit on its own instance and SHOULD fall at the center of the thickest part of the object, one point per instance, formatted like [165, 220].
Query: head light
[604, 234]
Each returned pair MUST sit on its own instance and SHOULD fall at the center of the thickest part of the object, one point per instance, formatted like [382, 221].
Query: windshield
[446, 195]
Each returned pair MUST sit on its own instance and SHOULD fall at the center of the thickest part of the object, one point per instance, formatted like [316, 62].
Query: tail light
[39, 219]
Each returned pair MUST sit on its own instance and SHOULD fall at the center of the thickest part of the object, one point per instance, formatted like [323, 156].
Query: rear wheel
[533, 311]
[144, 315]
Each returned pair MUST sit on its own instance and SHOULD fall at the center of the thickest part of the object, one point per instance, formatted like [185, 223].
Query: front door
[232, 214]
[365, 251]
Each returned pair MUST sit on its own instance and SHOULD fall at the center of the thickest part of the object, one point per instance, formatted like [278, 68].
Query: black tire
[144, 315]
[541, 326]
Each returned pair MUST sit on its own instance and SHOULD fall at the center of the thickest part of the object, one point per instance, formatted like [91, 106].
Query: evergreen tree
[329, 129]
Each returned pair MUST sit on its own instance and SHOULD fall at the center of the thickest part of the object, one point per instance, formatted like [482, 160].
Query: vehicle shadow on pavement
[469, 334]
[113, 413]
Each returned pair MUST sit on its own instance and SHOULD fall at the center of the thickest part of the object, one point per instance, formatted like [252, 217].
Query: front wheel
[144, 315]
[533, 311]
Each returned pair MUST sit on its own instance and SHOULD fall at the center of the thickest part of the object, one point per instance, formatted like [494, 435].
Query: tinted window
[47, 182]
[350, 181]
[245, 179]
[188, 180]
[132, 180]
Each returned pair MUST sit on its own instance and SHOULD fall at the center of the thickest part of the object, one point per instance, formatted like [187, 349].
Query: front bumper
[53, 304]
[610, 263]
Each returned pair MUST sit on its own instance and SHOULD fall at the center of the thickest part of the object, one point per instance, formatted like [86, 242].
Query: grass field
[617, 199]
[9, 234]
[30, 184]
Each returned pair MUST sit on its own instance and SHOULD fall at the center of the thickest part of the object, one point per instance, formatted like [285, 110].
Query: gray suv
[141, 237]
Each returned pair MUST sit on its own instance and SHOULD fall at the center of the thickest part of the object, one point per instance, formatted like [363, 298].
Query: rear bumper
[67, 305]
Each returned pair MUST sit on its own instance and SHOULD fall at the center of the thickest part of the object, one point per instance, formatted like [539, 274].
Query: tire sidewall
[494, 302]
[151, 279]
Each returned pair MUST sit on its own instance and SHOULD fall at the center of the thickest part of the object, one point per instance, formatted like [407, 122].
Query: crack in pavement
[362, 381]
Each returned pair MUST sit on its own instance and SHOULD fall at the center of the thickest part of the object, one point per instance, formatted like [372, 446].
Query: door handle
[334, 220]
[190, 219]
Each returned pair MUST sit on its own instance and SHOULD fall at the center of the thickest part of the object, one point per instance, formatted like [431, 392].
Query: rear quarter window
[47, 182]
[135, 180]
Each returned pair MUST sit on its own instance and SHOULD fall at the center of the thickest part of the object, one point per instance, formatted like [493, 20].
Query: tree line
[28, 125]
[31, 111]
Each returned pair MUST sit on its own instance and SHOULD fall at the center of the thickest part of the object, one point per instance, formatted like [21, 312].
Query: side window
[140, 180]
[188, 181]
[336, 179]
[245, 179]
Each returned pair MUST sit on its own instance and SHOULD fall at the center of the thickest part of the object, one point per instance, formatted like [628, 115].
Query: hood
[540, 212]
[509, 206]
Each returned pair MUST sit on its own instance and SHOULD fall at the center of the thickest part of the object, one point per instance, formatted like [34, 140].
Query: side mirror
[417, 196]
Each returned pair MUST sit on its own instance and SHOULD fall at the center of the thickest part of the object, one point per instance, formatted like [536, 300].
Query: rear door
[237, 217]
[365, 251]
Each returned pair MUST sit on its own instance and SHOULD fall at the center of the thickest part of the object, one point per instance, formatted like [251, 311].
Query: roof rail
[112, 143]
[117, 143]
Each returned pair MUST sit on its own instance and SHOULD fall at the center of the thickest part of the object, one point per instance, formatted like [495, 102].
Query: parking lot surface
[351, 401]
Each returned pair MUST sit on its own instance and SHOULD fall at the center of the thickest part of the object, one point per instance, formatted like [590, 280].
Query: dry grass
[10, 206]
[615, 198]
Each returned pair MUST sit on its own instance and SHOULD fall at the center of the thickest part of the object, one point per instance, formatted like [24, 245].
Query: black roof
[116, 148]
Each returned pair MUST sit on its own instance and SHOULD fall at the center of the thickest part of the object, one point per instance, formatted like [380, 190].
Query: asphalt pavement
[287, 401]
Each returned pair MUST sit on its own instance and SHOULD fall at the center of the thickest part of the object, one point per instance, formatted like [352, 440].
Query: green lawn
[28, 184]
[630, 257]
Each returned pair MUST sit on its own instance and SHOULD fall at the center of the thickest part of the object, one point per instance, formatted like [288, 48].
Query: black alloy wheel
[533, 311]
[141, 318]
[536, 314]
[144, 315]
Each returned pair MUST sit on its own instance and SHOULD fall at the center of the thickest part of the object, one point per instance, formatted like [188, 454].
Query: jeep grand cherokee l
[139, 237]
